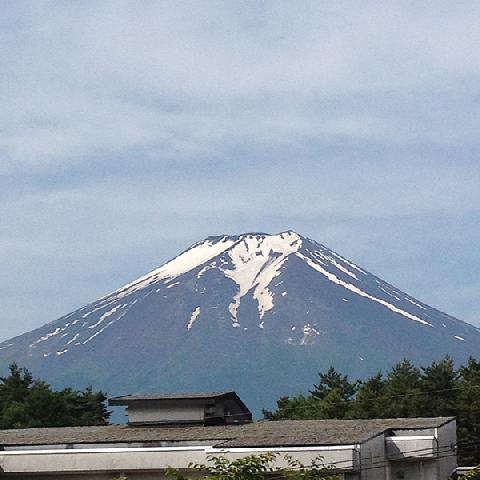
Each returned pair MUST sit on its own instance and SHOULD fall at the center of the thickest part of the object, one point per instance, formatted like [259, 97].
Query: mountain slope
[257, 313]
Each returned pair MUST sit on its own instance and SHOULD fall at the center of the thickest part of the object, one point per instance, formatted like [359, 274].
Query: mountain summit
[257, 313]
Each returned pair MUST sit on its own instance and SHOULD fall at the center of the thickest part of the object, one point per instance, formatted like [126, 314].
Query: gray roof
[258, 434]
[170, 396]
[324, 432]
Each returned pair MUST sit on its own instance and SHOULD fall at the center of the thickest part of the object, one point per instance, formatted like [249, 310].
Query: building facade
[386, 449]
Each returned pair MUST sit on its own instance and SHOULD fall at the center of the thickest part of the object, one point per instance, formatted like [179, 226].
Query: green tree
[370, 400]
[329, 399]
[334, 405]
[402, 390]
[472, 474]
[332, 380]
[468, 415]
[296, 408]
[15, 387]
[439, 389]
[25, 403]
[256, 467]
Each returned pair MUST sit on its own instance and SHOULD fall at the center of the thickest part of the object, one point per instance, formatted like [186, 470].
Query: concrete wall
[152, 412]
[110, 462]
[373, 460]
[99, 476]
[343, 457]
[424, 458]
[415, 470]
[98, 460]
[90, 476]
[447, 440]
[401, 447]
[189, 411]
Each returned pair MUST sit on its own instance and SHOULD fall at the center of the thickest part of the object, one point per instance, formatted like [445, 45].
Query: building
[176, 430]
[184, 408]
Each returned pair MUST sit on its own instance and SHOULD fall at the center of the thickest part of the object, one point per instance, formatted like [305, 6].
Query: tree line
[27, 403]
[437, 390]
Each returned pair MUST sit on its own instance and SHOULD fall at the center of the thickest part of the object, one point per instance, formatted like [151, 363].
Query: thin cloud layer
[181, 78]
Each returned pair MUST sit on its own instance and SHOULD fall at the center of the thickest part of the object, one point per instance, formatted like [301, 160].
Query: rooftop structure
[213, 408]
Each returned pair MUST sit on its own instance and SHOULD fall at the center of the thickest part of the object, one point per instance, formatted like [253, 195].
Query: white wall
[110, 460]
[343, 457]
[151, 413]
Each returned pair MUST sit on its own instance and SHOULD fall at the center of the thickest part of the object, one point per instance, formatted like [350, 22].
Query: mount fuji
[257, 313]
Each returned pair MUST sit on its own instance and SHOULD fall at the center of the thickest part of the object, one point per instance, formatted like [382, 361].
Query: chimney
[217, 408]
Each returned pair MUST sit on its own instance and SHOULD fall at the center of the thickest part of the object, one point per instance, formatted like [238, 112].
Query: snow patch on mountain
[106, 315]
[204, 269]
[360, 292]
[109, 324]
[75, 337]
[349, 263]
[415, 303]
[96, 309]
[193, 317]
[198, 254]
[331, 260]
[257, 260]
[308, 331]
[47, 336]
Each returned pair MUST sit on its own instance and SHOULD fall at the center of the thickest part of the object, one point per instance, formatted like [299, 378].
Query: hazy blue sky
[129, 130]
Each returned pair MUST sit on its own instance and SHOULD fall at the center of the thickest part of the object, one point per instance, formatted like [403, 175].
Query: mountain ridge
[242, 312]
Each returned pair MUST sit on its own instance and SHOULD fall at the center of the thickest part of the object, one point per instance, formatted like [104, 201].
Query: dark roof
[123, 400]
[258, 434]
[325, 432]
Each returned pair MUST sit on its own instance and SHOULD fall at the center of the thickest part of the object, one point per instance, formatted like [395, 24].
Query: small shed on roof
[205, 408]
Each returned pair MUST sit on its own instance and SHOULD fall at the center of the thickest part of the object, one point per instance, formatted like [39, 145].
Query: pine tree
[25, 403]
[370, 401]
[439, 390]
[15, 387]
[334, 405]
[329, 399]
[402, 390]
[468, 419]
[332, 380]
[296, 408]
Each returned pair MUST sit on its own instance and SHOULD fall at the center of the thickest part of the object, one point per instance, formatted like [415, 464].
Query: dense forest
[436, 390]
[25, 403]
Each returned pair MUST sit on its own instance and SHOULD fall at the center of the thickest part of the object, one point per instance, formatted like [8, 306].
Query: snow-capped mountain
[257, 313]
